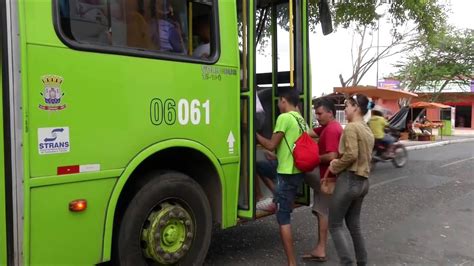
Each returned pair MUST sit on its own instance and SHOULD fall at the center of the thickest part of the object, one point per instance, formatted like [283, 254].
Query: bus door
[283, 66]
[6, 250]
[246, 25]
[3, 229]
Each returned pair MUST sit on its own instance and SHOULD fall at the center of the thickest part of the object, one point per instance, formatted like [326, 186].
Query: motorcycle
[395, 152]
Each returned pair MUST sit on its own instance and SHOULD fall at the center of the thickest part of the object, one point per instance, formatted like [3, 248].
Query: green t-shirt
[286, 123]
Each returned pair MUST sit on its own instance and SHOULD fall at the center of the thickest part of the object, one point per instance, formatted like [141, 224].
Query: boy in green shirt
[285, 134]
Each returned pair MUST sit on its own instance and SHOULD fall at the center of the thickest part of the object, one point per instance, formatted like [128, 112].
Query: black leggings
[346, 203]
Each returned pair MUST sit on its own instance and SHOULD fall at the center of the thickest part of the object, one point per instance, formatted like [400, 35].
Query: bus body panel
[59, 235]
[225, 172]
[115, 111]
[3, 218]
[107, 102]
[112, 108]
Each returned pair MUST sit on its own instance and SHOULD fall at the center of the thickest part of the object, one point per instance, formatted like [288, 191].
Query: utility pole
[378, 44]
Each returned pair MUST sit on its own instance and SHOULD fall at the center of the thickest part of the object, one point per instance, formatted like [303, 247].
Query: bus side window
[137, 32]
[202, 28]
[88, 21]
[178, 27]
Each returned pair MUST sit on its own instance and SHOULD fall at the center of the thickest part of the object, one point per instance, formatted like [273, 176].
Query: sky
[331, 54]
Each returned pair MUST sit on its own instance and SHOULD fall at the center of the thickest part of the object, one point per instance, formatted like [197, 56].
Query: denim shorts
[287, 187]
[267, 168]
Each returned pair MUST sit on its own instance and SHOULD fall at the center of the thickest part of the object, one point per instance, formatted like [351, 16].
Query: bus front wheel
[168, 222]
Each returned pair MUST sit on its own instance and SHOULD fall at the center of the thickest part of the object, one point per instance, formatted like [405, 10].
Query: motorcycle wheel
[401, 155]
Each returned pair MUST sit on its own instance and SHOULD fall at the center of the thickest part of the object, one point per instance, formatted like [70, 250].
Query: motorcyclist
[377, 124]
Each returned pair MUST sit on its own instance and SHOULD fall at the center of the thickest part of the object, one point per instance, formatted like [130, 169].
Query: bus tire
[168, 222]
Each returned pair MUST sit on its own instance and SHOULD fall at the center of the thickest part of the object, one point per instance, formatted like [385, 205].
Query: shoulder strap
[291, 152]
[298, 122]
[302, 131]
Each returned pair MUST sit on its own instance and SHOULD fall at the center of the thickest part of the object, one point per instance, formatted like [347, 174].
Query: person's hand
[331, 167]
[270, 155]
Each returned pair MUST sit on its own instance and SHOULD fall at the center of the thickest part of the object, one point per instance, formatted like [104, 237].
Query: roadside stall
[385, 97]
[397, 121]
[376, 93]
[424, 126]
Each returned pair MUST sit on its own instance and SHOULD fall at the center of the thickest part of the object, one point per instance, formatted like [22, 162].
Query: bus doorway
[4, 92]
[283, 67]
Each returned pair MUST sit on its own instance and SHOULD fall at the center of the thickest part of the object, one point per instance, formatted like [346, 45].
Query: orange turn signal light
[78, 205]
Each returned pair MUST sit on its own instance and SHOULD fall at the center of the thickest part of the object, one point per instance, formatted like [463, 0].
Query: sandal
[311, 257]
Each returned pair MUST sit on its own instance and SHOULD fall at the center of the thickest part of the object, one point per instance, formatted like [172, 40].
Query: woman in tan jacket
[353, 167]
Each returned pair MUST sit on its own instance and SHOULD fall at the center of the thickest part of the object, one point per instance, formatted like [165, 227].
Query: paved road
[420, 214]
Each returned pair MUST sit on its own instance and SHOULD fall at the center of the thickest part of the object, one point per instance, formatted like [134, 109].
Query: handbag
[328, 184]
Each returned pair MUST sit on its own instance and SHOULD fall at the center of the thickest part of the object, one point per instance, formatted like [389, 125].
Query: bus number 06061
[185, 111]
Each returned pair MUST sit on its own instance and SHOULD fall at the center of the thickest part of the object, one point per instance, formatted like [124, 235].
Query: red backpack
[305, 152]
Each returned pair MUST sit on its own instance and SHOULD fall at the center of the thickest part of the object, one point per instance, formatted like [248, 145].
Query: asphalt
[417, 145]
[421, 214]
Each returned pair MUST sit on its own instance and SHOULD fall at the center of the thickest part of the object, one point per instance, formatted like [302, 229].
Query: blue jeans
[346, 204]
[267, 168]
[287, 187]
[388, 139]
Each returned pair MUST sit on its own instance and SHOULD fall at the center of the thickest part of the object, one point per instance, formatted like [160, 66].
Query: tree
[364, 55]
[428, 15]
[447, 59]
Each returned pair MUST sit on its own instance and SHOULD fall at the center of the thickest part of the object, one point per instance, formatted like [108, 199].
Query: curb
[438, 144]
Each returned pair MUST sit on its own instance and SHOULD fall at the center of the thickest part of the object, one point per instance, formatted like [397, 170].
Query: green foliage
[428, 15]
[448, 58]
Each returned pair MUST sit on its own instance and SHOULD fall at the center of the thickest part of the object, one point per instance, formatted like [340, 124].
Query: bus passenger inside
[138, 35]
[165, 29]
[202, 27]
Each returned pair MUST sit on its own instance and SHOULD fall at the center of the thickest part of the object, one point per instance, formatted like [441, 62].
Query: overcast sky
[331, 54]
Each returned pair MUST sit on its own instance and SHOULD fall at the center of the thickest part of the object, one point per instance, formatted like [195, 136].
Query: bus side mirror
[325, 17]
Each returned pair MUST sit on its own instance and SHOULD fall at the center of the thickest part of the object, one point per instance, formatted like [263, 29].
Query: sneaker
[266, 205]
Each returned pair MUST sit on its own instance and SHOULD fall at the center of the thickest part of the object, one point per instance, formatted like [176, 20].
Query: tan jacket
[355, 148]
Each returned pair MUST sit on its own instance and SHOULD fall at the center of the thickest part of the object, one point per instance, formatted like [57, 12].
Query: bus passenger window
[134, 32]
[203, 30]
[178, 27]
[88, 20]
[166, 30]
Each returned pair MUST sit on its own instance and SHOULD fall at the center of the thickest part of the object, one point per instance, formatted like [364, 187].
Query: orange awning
[429, 105]
[374, 92]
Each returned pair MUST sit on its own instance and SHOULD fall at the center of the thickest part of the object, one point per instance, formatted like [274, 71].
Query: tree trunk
[436, 95]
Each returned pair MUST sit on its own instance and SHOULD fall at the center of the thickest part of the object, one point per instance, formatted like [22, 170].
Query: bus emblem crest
[52, 93]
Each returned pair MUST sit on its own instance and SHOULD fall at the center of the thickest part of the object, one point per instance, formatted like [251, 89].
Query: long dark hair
[362, 101]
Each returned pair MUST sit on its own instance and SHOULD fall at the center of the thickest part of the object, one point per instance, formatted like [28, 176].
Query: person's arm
[312, 134]
[351, 151]
[270, 144]
[328, 157]
[332, 138]
[281, 126]
[175, 39]
[269, 155]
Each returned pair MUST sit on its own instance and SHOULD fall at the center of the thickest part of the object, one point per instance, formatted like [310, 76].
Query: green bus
[128, 126]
